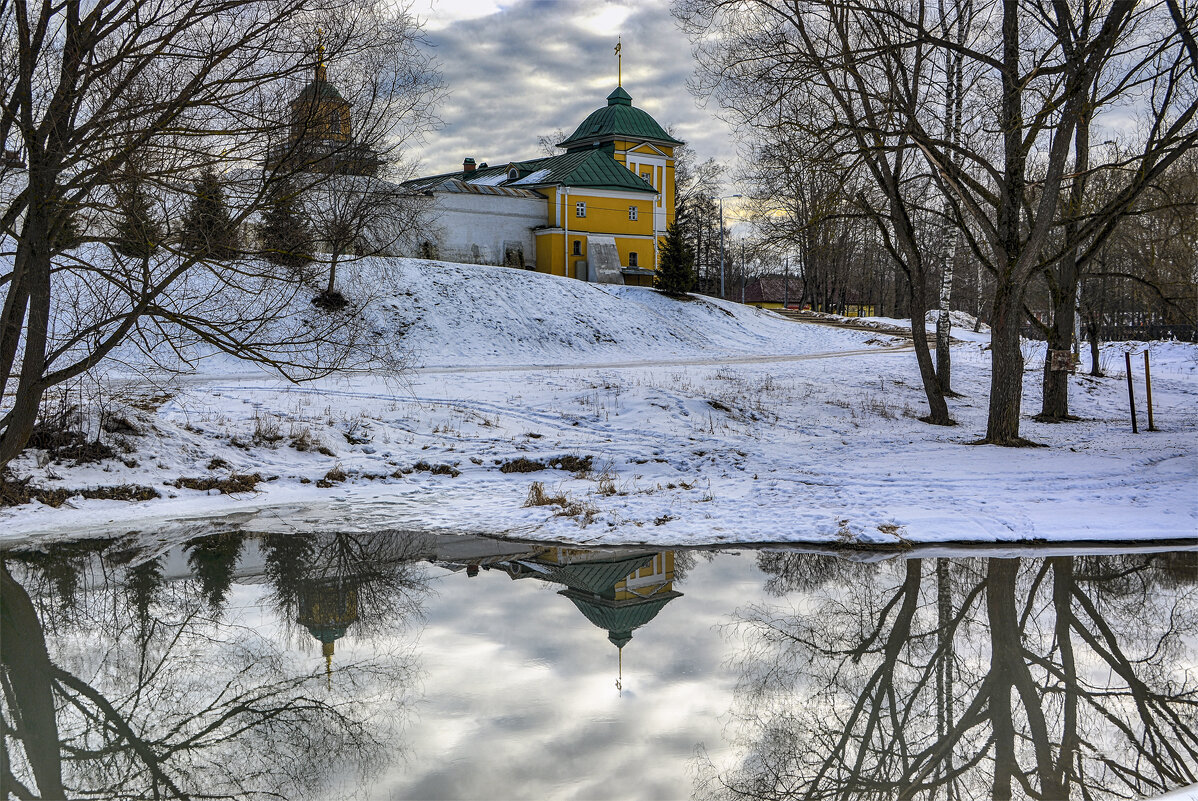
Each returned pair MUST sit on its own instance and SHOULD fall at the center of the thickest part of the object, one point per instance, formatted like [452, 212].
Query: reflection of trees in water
[143, 691]
[1065, 677]
[212, 560]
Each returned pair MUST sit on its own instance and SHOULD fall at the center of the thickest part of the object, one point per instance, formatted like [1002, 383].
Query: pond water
[397, 665]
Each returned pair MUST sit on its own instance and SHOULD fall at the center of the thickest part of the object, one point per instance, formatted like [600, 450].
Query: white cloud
[519, 70]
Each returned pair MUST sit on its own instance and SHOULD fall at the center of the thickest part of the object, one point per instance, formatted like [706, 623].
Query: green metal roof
[618, 119]
[591, 167]
[319, 89]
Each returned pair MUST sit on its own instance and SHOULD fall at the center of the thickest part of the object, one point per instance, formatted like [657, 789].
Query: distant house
[773, 291]
[595, 212]
[778, 291]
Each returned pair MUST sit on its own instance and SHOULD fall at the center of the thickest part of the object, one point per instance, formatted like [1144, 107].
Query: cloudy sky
[520, 69]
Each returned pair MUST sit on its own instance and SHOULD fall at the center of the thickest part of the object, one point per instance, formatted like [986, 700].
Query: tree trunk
[1000, 607]
[32, 261]
[1095, 367]
[1006, 368]
[27, 668]
[944, 327]
[937, 407]
[1054, 404]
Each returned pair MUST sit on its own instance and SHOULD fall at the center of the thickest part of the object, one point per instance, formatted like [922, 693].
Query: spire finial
[327, 650]
[620, 675]
[321, 69]
[619, 61]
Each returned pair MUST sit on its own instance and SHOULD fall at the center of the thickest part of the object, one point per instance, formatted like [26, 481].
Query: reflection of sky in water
[519, 695]
[493, 687]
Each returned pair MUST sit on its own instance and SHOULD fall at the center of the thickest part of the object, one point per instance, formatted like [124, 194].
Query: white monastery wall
[481, 229]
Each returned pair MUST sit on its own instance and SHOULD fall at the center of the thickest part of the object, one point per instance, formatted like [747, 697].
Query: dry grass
[437, 469]
[235, 483]
[266, 429]
[521, 465]
[334, 476]
[14, 492]
[584, 513]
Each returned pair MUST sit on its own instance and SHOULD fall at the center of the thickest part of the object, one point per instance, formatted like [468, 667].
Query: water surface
[399, 665]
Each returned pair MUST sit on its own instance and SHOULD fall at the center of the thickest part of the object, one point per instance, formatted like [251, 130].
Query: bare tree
[1029, 74]
[360, 215]
[91, 91]
[1053, 678]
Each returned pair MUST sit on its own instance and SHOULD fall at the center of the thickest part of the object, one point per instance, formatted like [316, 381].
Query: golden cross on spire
[619, 61]
[321, 69]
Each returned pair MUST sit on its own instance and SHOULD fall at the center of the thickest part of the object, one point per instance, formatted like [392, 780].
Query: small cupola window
[513, 174]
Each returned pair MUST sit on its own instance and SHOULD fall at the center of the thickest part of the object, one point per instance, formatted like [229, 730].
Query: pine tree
[137, 233]
[284, 236]
[676, 272]
[208, 228]
[213, 559]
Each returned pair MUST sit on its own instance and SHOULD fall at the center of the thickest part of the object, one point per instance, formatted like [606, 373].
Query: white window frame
[633, 213]
[580, 208]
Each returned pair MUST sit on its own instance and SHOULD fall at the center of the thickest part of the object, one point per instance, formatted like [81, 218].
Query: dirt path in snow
[676, 362]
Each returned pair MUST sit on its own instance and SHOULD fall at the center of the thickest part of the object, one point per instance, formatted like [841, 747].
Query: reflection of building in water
[618, 593]
[327, 608]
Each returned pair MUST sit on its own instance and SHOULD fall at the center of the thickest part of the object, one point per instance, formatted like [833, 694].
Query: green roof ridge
[619, 118]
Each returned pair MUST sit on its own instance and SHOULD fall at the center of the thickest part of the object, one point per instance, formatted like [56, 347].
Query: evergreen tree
[137, 233]
[213, 559]
[288, 561]
[285, 237]
[208, 228]
[676, 271]
[143, 583]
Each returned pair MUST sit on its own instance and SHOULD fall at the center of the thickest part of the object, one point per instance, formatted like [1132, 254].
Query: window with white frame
[580, 209]
[632, 212]
[648, 177]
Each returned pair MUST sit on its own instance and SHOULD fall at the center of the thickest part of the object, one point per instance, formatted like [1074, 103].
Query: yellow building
[608, 200]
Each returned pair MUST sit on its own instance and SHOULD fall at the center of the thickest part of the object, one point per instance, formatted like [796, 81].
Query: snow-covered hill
[457, 314]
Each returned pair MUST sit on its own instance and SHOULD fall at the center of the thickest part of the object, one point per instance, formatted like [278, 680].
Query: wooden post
[1148, 386]
[1131, 396]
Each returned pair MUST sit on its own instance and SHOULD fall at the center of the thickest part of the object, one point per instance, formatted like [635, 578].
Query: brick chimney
[468, 165]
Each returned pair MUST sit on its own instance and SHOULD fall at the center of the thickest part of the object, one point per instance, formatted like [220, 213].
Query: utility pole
[786, 282]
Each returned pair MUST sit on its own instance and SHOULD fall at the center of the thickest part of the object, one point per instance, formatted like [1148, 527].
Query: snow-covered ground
[703, 421]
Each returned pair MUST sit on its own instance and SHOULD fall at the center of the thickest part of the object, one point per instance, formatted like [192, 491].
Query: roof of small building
[619, 118]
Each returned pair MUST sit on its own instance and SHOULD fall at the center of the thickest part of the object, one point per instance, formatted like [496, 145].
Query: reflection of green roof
[619, 618]
[327, 633]
[618, 119]
[598, 577]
